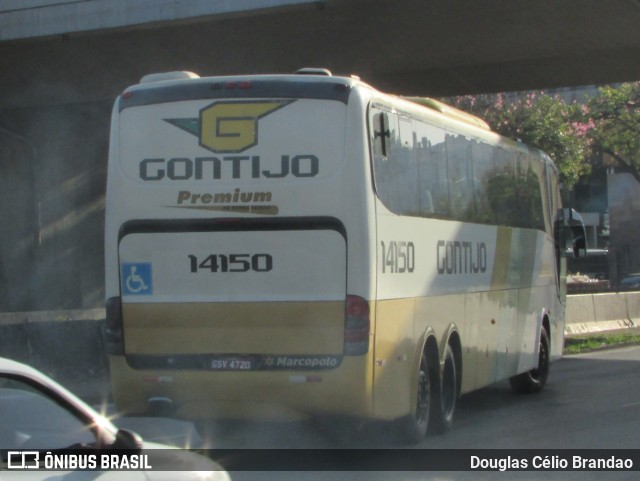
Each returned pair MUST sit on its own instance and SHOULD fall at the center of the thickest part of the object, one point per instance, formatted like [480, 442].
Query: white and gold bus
[304, 244]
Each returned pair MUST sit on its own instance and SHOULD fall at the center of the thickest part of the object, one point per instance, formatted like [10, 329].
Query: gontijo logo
[229, 126]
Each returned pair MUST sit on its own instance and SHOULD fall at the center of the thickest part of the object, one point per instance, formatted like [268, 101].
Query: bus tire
[533, 381]
[447, 394]
[413, 428]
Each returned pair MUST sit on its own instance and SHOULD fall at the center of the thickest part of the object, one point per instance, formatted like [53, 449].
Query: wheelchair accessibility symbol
[136, 279]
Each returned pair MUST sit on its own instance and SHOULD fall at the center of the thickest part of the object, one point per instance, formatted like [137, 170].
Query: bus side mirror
[572, 232]
[579, 247]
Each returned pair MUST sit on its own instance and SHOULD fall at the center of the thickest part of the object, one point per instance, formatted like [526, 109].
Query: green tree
[540, 120]
[611, 120]
[571, 133]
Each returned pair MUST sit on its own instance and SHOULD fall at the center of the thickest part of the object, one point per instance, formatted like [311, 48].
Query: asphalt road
[591, 401]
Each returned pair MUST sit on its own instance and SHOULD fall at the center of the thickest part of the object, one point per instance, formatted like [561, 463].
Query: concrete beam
[39, 18]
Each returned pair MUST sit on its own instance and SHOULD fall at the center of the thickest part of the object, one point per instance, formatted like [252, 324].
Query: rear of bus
[237, 258]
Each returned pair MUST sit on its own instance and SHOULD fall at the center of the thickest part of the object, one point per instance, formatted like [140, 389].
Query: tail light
[357, 326]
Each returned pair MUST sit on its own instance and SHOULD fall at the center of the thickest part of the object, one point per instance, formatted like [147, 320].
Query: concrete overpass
[91, 50]
[62, 62]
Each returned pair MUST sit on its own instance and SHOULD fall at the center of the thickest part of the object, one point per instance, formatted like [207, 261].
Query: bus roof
[313, 83]
[171, 87]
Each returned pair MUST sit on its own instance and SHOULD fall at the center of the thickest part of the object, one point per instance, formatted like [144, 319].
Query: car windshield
[29, 419]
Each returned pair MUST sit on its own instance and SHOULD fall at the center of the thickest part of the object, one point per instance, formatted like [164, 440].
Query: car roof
[15, 368]
[11, 367]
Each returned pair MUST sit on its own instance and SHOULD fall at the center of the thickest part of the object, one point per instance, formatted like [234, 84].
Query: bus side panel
[424, 268]
[536, 302]
[492, 284]
[479, 339]
[394, 358]
[524, 285]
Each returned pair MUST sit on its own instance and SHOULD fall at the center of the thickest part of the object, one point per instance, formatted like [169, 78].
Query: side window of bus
[426, 171]
[553, 190]
[529, 180]
[405, 159]
[433, 186]
[461, 177]
[483, 171]
[501, 188]
[394, 161]
[514, 192]
[381, 138]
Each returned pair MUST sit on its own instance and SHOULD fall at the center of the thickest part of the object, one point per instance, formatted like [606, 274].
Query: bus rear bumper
[254, 395]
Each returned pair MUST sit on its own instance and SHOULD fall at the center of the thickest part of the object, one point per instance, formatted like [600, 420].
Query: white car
[44, 425]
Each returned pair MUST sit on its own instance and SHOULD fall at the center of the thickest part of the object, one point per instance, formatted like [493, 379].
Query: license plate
[231, 364]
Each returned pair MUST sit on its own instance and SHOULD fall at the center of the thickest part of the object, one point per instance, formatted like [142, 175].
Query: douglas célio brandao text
[550, 463]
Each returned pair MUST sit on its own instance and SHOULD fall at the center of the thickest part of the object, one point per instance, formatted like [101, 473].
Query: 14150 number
[398, 257]
[232, 263]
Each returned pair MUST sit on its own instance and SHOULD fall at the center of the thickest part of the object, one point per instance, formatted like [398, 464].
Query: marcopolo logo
[301, 362]
[229, 126]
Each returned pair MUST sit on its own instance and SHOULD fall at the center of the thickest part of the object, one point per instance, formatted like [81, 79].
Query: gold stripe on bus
[528, 241]
[237, 209]
[234, 328]
[502, 258]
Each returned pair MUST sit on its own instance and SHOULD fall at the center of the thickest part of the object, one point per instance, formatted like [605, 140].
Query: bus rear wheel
[444, 408]
[533, 381]
[414, 426]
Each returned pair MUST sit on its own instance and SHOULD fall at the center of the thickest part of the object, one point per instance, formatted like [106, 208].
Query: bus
[305, 245]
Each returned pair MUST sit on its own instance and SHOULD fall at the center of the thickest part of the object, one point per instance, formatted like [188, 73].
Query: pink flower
[581, 129]
[530, 98]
